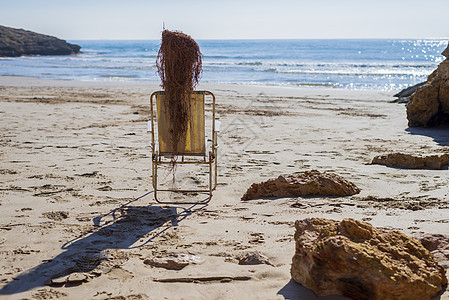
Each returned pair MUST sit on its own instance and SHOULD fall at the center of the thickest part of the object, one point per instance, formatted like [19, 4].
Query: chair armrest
[217, 125]
[149, 127]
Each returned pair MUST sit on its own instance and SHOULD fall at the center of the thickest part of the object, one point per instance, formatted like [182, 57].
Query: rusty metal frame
[211, 160]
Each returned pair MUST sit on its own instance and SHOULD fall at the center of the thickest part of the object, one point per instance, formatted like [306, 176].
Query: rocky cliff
[18, 42]
[429, 104]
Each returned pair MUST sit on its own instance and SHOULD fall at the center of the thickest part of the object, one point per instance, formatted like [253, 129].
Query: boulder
[429, 105]
[408, 161]
[407, 92]
[308, 183]
[356, 260]
[18, 42]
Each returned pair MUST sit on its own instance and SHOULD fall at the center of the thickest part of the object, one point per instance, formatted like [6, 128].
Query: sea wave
[377, 64]
[310, 65]
[347, 72]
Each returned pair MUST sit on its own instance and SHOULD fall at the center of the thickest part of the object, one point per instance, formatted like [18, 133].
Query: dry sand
[76, 192]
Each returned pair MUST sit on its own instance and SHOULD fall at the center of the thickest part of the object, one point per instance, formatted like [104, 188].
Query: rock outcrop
[356, 260]
[18, 42]
[407, 92]
[308, 183]
[429, 104]
[408, 161]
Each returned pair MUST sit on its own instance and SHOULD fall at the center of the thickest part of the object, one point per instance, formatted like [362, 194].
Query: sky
[229, 19]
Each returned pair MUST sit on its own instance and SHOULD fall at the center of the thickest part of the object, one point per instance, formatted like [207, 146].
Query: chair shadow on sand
[125, 227]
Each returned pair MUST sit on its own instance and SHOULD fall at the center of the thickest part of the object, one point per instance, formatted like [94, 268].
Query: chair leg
[155, 180]
[210, 180]
[216, 171]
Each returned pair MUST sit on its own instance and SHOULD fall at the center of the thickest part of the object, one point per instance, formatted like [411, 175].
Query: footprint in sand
[56, 215]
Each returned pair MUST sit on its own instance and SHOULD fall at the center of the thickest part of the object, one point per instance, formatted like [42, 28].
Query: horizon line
[266, 39]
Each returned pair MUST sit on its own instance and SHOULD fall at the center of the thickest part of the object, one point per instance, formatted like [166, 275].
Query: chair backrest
[193, 143]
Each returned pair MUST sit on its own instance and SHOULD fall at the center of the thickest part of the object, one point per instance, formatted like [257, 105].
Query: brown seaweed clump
[179, 64]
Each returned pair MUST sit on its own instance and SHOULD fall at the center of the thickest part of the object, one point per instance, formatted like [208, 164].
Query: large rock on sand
[408, 161]
[308, 183]
[356, 260]
[429, 104]
[18, 42]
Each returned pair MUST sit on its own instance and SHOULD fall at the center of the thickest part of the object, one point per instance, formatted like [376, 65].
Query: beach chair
[196, 149]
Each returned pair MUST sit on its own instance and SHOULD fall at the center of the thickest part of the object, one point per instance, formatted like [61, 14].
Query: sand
[76, 194]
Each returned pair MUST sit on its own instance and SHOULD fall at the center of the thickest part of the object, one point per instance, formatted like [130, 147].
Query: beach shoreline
[76, 171]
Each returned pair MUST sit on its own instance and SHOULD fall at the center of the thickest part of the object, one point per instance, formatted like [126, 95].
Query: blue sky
[229, 19]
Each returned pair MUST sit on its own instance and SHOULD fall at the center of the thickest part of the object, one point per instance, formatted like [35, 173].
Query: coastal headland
[18, 42]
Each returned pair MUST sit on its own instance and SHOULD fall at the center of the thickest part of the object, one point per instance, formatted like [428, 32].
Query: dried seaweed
[179, 65]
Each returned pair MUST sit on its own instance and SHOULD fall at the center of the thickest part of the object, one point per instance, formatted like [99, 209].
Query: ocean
[382, 64]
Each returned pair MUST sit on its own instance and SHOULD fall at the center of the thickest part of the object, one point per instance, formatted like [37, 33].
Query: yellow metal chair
[193, 151]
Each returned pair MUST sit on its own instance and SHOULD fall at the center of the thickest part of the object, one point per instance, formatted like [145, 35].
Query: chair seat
[191, 148]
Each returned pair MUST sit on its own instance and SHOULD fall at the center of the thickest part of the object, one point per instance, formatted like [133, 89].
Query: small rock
[407, 92]
[97, 272]
[174, 261]
[438, 245]
[77, 278]
[253, 258]
[72, 278]
[434, 242]
[59, 281]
